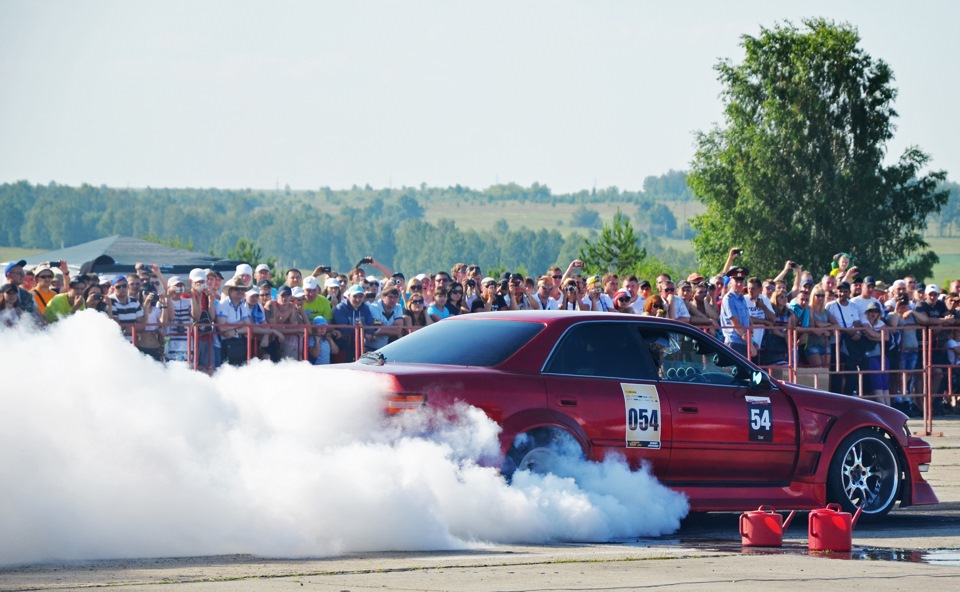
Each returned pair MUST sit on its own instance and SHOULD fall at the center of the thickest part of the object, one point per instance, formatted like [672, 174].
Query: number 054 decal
[642, 404]
[760, 416]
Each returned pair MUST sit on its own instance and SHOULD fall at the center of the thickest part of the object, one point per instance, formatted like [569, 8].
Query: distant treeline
[305, 228]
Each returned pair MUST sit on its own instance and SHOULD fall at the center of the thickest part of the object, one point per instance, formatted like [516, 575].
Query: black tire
[537, 451]
[865, 470]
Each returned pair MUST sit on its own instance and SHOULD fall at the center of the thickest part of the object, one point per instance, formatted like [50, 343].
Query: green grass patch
[12, 253]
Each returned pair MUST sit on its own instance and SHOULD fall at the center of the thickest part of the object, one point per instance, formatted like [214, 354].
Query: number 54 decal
[760, 415]
[642, 408]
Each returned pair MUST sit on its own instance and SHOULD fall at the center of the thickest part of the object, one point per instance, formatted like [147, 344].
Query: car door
[729, 424]
[601, 376]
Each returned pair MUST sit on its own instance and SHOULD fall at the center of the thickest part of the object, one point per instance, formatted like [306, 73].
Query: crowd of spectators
[838, 318]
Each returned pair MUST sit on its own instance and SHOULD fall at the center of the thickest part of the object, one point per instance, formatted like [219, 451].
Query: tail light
[402, 402]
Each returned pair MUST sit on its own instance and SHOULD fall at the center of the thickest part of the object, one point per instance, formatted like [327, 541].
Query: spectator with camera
[149, 339]
[518, 294]
[571, 298]
[68, 302]
[178, 314]
[596, 299]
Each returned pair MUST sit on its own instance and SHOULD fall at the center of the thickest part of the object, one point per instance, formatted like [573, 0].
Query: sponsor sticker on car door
[642, 406]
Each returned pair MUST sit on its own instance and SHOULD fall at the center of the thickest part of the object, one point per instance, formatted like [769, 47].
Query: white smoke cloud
[106, 454]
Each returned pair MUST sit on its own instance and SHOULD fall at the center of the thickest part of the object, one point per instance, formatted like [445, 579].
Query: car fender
[848, 423]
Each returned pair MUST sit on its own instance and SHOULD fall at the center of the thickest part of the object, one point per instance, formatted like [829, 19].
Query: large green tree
[796, 170]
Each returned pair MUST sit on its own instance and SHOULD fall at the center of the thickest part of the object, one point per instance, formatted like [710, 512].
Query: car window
[692, 357]
[461, 343]
[608, 350]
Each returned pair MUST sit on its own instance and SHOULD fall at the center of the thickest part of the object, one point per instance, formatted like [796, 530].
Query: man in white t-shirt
[845, 315]
[863, 300]
[761, 311]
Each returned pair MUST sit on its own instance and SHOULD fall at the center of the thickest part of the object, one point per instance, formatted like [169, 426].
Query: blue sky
[310, 94]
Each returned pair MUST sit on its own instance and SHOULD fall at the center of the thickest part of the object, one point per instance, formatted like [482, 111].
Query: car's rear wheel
[865, 472]
[539, 451]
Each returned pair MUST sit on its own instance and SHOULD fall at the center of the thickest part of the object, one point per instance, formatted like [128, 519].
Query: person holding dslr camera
[570, 298]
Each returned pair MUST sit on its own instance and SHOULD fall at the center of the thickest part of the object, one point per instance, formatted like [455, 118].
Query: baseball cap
[197, 275]
[244, 269]
[331, 283]
[310, 283]
[355, 289]
[298, 292]
[932, 289]
[173, 281]
[262, 267]
[318, 320]
[13, 264]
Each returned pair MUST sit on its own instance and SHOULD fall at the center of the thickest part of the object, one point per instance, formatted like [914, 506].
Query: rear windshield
[461, 343]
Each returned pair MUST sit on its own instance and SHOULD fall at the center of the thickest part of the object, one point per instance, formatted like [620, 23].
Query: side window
[606, 350]
[683, 357]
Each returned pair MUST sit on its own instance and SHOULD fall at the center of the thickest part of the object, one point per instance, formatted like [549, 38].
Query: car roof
[559, 316]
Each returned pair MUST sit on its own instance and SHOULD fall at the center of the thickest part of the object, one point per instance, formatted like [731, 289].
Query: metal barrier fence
[923, 376]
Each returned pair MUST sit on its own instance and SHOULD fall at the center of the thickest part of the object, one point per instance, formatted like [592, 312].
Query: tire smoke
[106, 454]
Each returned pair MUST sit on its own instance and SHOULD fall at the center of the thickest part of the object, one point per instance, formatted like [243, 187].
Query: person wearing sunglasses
[415, 314]
[42, 292]
[126, 311]
[544, 294]
[621, 302]
[655, 307]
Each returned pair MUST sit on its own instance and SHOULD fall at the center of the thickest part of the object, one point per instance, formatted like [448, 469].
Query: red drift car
[709, 423]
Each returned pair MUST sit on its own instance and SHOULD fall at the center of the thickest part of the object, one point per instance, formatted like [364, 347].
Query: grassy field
[11, 253]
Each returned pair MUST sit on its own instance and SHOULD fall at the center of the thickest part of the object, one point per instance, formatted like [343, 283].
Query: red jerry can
[763, 527]
[831, 529]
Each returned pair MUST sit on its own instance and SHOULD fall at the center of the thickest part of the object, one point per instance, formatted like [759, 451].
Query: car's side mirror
[759, 381]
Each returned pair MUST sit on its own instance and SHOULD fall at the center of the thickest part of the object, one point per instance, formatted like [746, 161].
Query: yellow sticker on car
[642, 405]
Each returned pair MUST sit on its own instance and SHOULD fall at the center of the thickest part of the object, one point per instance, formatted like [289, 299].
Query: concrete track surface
[914, 548]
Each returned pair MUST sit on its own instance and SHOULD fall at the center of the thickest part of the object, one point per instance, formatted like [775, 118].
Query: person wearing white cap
[315, 304]
[261, 273]
[178, 316]
[352, 311]
[333, 292]
[245, 273]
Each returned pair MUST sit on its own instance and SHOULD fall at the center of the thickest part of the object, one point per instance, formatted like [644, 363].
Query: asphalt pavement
[914, 548]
